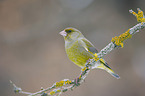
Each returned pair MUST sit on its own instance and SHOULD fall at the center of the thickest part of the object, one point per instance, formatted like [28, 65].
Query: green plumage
[77, 53]
[79, 50]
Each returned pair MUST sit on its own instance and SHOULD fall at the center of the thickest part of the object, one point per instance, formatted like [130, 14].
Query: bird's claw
[76, 81]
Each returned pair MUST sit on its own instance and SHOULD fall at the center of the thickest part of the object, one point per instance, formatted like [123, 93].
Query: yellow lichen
[118, 40]
[55, 91]
[83, 69]
[80, 77]
[59, 90]
[67, 82]
[139, 16]
[59, 84]
[52, 93]
[96, 57]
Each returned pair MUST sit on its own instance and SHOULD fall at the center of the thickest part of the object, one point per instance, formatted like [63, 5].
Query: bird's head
[71, 34]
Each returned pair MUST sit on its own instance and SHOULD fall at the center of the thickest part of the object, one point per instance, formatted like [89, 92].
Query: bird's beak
[63, 33]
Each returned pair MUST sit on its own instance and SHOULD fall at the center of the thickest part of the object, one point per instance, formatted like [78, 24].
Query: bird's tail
[112, 73]
[105, 66]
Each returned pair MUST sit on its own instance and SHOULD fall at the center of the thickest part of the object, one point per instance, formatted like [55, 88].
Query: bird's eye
[68, 31]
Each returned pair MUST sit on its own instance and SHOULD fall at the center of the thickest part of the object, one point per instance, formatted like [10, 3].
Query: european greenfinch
[79, 50]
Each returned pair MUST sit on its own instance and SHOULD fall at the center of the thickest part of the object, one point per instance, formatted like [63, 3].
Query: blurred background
[32, 52]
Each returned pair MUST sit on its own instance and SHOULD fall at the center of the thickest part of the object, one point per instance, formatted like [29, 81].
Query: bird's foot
[76, 81]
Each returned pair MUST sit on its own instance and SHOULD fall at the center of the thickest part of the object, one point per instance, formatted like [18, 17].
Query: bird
[79, 50]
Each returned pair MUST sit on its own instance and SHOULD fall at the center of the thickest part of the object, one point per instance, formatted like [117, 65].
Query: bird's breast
[77, 53]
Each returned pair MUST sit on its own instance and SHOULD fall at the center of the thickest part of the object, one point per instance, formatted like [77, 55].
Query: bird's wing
[88, 46]
[104, 63]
